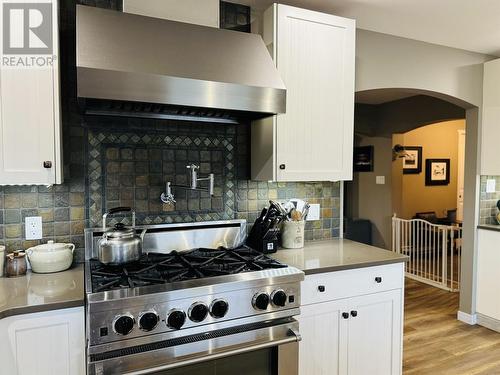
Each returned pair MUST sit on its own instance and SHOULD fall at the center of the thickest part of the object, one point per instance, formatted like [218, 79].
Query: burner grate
[155, 268]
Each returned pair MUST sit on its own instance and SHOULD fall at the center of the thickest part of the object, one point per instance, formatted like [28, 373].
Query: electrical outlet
[491, 186]
[33, 227]
[313, 214]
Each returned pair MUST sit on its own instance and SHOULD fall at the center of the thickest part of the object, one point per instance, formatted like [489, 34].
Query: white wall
[386, 61]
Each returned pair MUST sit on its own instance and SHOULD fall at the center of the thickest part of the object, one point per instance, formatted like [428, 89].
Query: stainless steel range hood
[131, 65]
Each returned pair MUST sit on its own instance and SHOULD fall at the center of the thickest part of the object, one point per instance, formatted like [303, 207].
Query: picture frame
[412, 162]
[363, 159]
[437, 172]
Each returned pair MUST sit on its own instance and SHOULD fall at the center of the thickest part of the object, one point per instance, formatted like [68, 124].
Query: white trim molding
[488, 322]
[467, 318]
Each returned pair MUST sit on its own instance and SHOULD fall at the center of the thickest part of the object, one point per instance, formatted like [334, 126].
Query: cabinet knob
[47, 164]
[378, 279]
[282, 166]
[345, 315]
[321, 288]
[354, 313]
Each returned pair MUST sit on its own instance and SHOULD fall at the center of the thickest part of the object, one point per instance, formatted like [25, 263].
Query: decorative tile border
[102, 145]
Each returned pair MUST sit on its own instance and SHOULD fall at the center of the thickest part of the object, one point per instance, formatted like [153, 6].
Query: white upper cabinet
[490, 133]
[313, 140]
[30, 132]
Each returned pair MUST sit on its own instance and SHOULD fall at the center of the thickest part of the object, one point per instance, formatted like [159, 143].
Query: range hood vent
[137, 66]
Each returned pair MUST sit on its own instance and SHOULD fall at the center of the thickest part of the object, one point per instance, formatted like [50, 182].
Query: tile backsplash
[488, 201]
[119, 161]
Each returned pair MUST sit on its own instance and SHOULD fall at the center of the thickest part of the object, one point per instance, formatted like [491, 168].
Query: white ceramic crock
[51, 257]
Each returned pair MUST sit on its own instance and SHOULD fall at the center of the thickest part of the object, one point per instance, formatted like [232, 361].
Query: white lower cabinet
[323, 338]
[374, 334]
[356, 335]
[45, 343]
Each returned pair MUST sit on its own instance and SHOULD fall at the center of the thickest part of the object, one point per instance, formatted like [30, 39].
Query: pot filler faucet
[167, 196]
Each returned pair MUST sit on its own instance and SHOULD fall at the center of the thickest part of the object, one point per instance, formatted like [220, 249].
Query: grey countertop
[335, 255]
[489, 227]
[42, 292]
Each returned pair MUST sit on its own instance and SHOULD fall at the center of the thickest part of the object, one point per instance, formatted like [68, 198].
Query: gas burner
[156, 268]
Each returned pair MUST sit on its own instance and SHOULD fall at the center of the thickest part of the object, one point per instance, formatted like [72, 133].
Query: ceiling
[472, 25]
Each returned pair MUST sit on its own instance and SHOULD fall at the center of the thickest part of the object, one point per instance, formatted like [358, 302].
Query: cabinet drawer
[341, 284]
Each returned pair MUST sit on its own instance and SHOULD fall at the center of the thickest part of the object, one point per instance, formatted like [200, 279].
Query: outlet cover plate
[33, 227]
[313, 213]
[491, 185]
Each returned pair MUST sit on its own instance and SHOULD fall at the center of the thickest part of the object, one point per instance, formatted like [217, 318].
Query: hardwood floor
[436, 343]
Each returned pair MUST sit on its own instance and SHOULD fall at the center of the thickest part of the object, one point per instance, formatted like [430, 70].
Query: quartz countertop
[335, 255]
[36, 292]
[489, 226]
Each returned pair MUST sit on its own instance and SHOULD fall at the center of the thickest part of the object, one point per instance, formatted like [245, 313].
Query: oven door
[264, 348]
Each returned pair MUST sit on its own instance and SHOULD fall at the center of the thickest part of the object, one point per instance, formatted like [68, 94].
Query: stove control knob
[219, 308]
[278, 297]
[198, 312]
[148, 320]
[123, 324]
[260, 301]
[176, 318]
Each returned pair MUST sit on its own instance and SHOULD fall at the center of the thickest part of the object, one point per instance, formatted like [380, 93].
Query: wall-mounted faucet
[168, 197]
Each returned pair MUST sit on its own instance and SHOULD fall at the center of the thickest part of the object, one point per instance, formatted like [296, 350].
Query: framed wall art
[412, 162]
[437, 172]
[363, 159]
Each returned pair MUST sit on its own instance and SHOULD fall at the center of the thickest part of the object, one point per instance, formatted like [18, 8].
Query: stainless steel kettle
[120, 244]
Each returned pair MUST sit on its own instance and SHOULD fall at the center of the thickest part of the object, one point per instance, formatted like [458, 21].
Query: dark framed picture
[363, 159]
[412, 162]
[437, 172]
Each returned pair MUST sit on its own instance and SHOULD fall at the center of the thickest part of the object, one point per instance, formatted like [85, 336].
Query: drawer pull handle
[354, 313]
[378, 279]
[345, 315]
[321, 288]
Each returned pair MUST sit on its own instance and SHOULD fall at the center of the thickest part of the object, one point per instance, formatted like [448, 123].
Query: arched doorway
[390, 110]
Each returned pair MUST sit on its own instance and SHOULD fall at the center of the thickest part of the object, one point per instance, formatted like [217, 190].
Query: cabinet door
[323, 331]
[47, 343]
[315, 57]
[29, 122]
[490, 131]
[374, 341]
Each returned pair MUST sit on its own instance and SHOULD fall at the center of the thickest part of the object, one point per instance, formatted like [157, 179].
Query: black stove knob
[278, 297]
[148, 320]
[176, 319]
[219, 308]
[198, 312]
[260, 301]
[123, 324]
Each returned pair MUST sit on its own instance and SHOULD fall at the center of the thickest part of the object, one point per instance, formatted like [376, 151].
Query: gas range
[158, 268]
[197, 294]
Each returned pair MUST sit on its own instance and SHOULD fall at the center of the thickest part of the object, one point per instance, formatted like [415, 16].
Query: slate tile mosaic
[116, 161]
[488, 201]
[131, 169]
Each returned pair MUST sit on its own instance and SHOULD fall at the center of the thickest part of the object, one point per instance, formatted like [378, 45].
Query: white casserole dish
[50, 257]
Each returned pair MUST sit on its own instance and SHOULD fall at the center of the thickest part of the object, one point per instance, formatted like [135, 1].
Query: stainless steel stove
[197, 300]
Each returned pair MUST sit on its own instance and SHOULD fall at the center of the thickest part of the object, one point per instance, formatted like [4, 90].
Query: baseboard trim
[488, 322]
[470, 319]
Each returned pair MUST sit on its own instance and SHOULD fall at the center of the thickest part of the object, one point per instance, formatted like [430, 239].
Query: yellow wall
[439, 141]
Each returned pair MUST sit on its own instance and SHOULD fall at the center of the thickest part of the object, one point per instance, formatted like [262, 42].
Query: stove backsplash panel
[116, 161]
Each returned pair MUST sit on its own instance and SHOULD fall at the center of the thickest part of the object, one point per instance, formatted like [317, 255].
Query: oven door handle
[195, 352]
